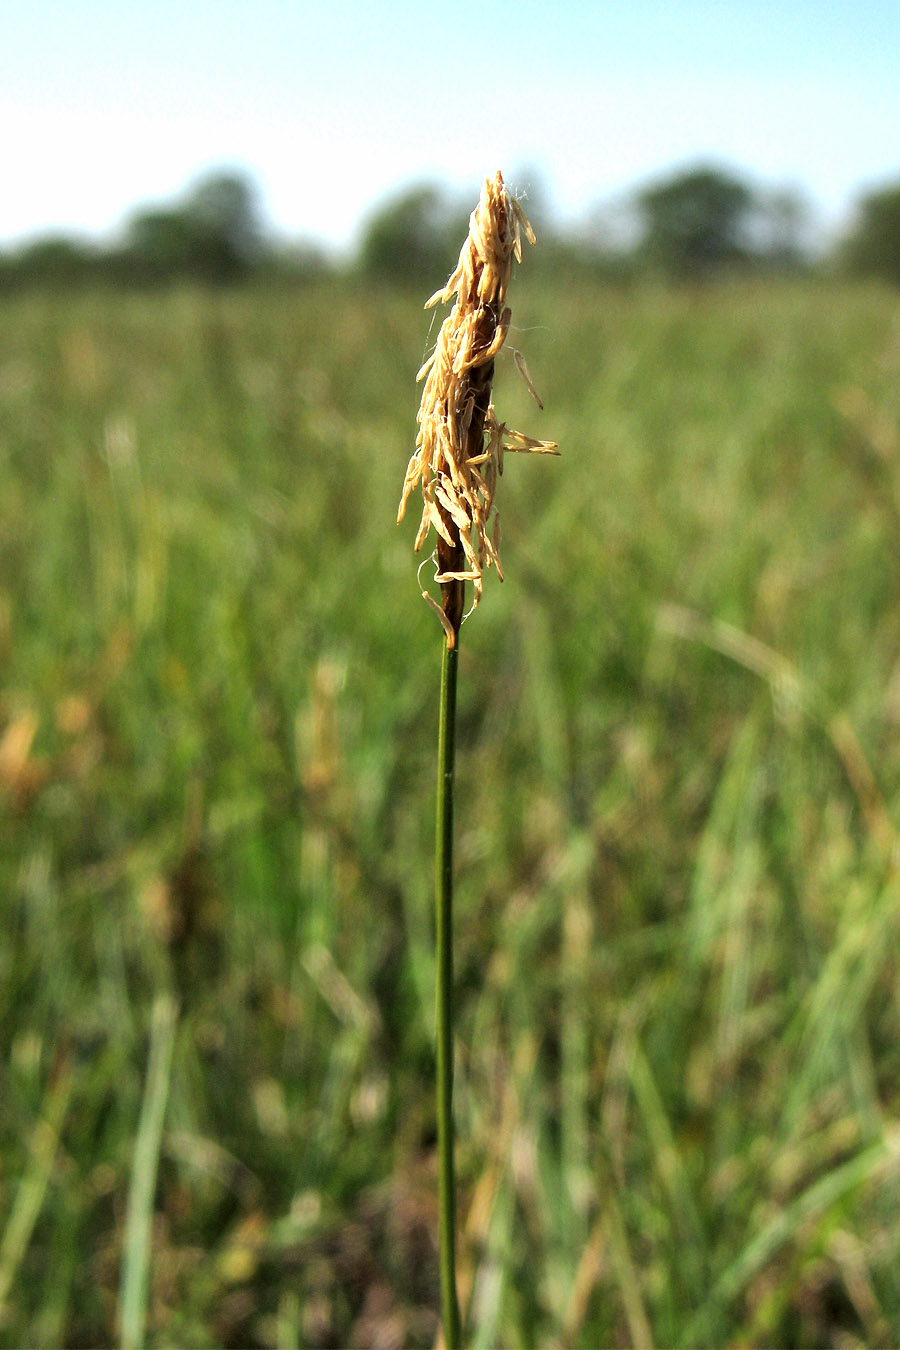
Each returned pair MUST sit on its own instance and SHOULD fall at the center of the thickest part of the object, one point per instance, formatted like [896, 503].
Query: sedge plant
[458, 459]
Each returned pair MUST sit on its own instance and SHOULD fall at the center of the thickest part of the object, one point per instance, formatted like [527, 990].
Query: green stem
[444, 908]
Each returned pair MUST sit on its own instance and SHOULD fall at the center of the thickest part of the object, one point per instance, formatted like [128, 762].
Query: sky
[333, 106]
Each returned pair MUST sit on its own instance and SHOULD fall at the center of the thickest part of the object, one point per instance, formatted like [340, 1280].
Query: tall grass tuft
[458, 459]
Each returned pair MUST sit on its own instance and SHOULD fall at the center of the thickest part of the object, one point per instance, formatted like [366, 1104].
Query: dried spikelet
[460, 444]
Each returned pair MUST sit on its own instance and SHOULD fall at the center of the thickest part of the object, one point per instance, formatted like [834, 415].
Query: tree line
[693, 225]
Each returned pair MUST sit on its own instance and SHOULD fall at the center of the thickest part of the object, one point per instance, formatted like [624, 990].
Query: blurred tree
[214, 233]
[695, 223]
[223, 212]
[215, 236]
[873, 248]
[413, 238]
[159, 246]
[53, 261]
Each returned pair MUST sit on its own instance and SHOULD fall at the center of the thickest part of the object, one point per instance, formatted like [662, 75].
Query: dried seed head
[460, 444]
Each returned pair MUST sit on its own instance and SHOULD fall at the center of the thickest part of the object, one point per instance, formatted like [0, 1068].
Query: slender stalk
[444, 926]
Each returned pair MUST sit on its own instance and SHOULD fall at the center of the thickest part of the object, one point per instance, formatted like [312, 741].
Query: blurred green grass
[678, 774]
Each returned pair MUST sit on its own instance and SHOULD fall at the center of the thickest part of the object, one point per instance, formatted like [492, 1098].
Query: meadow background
[677, 914]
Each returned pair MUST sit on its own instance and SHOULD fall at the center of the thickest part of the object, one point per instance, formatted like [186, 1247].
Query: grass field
[678, 1090]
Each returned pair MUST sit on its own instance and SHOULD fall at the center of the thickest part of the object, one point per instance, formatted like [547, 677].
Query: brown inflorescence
[460, 444]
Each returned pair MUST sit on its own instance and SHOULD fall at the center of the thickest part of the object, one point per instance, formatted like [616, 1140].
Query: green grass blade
[138, 1226]
[33, 1185]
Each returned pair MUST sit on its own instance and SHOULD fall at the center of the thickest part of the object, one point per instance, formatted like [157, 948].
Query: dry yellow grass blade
[460, 443]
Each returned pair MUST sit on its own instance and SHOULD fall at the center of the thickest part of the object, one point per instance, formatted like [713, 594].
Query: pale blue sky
[331, 106]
